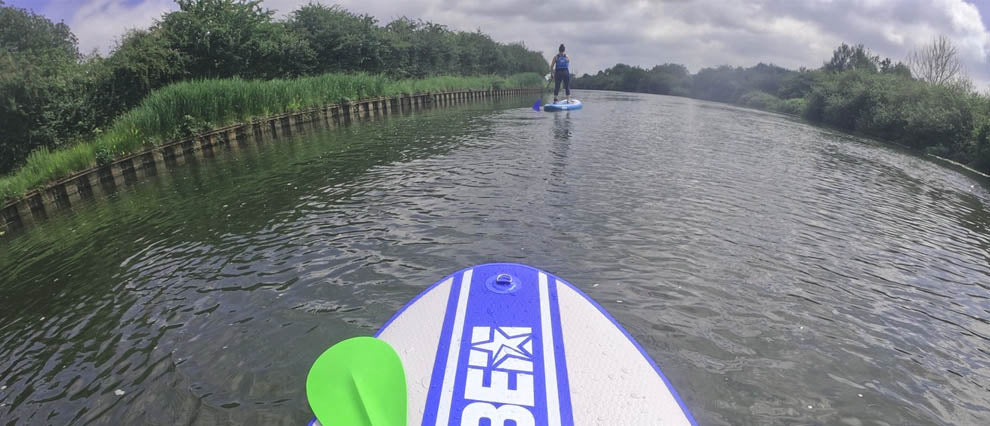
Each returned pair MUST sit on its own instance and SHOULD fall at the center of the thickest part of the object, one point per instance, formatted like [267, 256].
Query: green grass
[183, 108]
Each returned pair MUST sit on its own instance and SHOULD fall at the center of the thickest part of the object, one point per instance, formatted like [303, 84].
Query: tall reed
[181, 108]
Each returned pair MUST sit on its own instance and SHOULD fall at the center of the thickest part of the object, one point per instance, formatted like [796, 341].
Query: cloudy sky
[600, 33]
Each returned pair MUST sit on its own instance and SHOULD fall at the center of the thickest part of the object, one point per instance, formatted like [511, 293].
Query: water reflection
[562, 125]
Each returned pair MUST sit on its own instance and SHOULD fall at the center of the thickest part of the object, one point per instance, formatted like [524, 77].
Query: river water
[778, 273]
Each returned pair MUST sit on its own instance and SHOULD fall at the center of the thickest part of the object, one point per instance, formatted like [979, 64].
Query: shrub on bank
[855, 91]
[794, 106]
[895, 108]
[765, 101]
[760, 100]
[981, 145]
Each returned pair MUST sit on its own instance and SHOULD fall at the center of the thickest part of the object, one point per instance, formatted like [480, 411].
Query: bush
[939, 116]
[856, 94]
[892, 107]
[103, 156]
[981, 146]
[765, 101]
[794, 106]
[760, 100]
[815, 108]
[855, 91]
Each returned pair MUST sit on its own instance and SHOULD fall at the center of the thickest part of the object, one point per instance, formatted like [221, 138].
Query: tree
[38, 60]
[889, 67]
[937, 63]
[846, 58]
[224, 38]
[799, 84]
[22, 31]
[141, 62]
[477, 53]
[515, 57]
[341, 41]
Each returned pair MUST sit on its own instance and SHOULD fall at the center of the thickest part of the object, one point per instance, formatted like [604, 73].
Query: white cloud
[697, 33]
[99, 23]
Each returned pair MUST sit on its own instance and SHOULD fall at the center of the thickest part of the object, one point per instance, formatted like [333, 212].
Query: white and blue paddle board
[516, 345]
[563, 105]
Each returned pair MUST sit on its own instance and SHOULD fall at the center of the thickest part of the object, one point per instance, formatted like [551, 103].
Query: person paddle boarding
[560, 69]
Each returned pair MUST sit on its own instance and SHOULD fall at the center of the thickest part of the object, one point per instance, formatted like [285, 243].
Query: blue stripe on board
[497, 316]
[505, 314]
[443, 346]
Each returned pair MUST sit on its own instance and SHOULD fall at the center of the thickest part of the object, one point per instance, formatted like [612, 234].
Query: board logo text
[503, 356]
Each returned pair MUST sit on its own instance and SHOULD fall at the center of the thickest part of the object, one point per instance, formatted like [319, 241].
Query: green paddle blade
[358, 382]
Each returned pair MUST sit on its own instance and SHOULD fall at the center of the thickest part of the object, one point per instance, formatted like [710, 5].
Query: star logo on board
[502, 347]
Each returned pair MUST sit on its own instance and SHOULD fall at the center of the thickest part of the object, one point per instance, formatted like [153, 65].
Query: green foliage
[103, 156]
[22, 31]
[760, 100]
[38, 82]
[53, 97]
[341, 41]
[932, 115]
[765, 101]
[724, 84]
[894, 108]
[849, 58]
[404, 48]
[141, 62]
[855, 91]
[799, 84]
[223, 38]
[843, 99]
[981, 145]
[899, 69]
[795, 106]
[190, 107]
[728, 84]
[666, 79]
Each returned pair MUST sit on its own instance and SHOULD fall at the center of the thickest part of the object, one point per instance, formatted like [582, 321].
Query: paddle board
[503, 342]
[563, 105]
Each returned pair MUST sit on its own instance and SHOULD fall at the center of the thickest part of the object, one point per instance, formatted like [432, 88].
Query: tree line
[51, 95]
[926, 103]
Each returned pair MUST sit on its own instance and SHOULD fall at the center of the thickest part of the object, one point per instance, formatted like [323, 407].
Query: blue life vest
[562, 62]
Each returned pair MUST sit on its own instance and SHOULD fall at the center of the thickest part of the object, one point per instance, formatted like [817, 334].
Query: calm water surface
[778, 273]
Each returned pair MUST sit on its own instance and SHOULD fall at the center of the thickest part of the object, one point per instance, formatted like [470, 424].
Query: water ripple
[778, 273]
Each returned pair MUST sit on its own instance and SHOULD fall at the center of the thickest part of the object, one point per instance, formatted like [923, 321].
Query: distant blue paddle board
[563, 105]
[508, 342]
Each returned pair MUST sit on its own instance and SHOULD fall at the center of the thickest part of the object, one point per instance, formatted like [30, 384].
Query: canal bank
[97, 182]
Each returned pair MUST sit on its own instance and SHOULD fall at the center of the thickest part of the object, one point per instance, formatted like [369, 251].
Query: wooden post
[127, 171]
[10, 218]
[47, 199]
[37, 207]
[149, 167]
[24, 213]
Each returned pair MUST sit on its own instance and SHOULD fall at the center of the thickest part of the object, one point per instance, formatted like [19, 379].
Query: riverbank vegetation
[182, 109]
[926, 103]
[54, 97]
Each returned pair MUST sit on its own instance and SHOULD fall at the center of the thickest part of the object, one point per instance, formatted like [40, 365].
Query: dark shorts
[562, 75]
